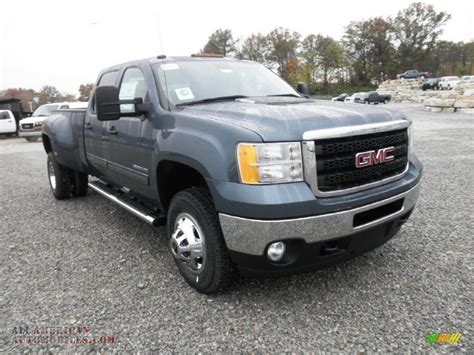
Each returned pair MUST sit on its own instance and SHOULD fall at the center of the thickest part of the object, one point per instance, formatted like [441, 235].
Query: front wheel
[197, 243]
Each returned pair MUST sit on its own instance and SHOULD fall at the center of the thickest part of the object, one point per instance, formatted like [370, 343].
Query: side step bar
[113, 196]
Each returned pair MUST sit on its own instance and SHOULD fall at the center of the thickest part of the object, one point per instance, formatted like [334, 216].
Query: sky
[66, 43]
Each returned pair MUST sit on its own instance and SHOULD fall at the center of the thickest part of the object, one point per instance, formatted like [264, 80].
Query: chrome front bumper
[252, 236]
[30, 133]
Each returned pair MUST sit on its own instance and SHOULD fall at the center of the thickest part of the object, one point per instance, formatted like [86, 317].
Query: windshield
[44, 110]
[189, 81]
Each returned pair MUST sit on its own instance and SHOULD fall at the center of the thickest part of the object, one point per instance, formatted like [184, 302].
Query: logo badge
[374, 157]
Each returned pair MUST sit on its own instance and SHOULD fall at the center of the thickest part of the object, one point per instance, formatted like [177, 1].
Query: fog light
[276, 251]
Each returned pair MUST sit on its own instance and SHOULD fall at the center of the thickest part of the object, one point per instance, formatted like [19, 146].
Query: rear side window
[4, 115]
[133, 86]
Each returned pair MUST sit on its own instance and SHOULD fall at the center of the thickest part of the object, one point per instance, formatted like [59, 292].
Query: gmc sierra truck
[248, 174]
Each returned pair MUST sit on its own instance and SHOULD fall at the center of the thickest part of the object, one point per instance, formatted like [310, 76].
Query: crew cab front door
[131, 138]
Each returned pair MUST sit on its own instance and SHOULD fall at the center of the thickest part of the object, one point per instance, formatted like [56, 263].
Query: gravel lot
[87, 262]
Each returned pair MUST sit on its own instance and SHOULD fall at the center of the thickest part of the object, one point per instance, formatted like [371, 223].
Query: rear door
[131, 138]
[97, 148]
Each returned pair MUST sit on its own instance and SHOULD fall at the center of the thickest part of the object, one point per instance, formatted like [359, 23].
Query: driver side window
[133, 86]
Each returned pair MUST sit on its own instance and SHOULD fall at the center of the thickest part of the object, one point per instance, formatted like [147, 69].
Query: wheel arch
[173, 176]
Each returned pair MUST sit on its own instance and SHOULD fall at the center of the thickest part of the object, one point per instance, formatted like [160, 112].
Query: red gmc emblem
[372, 157]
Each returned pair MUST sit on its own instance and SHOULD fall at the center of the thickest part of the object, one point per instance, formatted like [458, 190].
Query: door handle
[113, 131]
[88, 125]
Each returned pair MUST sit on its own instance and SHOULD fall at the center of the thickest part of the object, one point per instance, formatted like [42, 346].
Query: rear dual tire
[65, 182]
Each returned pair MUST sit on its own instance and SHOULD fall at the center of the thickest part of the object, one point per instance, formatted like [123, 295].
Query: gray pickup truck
[248, 174]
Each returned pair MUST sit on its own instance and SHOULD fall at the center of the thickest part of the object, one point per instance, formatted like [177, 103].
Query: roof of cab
[166, 59]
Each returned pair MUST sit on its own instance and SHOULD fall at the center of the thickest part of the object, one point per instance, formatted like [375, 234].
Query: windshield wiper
[289, 95]
[212, 99]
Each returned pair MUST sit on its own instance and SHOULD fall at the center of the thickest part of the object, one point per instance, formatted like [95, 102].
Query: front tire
[31, 139]
[197, 243]
[59, 178]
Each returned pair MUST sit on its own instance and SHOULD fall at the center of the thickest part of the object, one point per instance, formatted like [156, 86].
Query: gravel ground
[86, 262]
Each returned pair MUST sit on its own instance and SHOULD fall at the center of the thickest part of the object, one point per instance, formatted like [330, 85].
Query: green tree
[255, 48]
[417, 29]
[220, 42]
[49, 94]
[283, 48]
[85, 91]
[369, 45]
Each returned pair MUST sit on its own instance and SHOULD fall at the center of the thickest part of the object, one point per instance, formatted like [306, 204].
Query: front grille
[27, 125]
[335, 159]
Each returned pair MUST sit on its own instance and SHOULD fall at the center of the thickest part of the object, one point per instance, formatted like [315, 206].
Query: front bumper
[252, 236]
[30, 133]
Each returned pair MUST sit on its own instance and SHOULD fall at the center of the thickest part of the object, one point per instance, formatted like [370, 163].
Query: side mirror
[302, 88]
[108, 104]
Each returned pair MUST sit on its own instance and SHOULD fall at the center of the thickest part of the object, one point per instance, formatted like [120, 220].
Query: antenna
[162, 57]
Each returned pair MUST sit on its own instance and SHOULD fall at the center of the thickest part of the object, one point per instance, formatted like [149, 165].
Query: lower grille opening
[377, 213]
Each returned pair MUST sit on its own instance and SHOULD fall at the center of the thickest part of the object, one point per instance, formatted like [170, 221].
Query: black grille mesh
[336, 159]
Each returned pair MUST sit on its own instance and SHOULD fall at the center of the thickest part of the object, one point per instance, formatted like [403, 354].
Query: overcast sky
[66, 43]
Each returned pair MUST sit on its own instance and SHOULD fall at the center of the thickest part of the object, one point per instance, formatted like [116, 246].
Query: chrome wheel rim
[51, 175]
[187, 243]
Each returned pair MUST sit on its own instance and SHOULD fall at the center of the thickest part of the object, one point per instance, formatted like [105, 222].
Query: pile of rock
[402, 90]
[460, 99]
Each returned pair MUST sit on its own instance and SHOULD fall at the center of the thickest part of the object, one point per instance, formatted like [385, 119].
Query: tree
[255, 48]
[283, 48]
[369, 46]
[85, 91]
[49, 94]
[220, 42]
[417, 29]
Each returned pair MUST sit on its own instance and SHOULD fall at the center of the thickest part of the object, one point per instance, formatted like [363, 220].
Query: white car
[463, 79]
[7, 122]
[446, 82]
[30, 127]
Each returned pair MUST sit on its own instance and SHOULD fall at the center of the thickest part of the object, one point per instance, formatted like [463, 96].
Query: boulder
[464, 103]
[438, 102]
[466, 110]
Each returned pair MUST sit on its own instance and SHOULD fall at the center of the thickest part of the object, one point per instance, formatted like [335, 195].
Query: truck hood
[33, 119]
[287, 119]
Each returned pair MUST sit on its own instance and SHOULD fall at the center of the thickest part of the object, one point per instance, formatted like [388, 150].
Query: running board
[140, 212]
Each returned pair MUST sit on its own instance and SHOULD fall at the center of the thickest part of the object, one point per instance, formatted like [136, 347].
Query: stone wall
[460, 99]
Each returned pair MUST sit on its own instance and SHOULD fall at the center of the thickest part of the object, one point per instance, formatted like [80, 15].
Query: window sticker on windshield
[184, 94]
[169, 66]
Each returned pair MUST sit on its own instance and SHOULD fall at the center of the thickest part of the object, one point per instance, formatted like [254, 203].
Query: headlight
[270, 163]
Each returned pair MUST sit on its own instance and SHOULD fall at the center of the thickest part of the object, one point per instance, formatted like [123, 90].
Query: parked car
[358, 97]
[446, 82]
[463, 79]
[413, 74]
[431, 83]
[7, 122]
[375, 98]
[341, 97]
[248, 174]
[30, 127]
